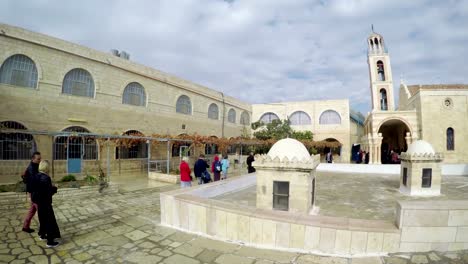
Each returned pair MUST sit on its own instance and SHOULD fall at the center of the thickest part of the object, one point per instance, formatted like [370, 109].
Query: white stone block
[269, 233]
[312, 237]
[462, 234]
[327, 239]
[391, 242]
[358, 242]
[283, 231]
[428, 234]
[255, 231]
[221, 224]
[415, 247]
[458, 218]
[297, 236]
[374, 242]
[343, 241]
[425, 217]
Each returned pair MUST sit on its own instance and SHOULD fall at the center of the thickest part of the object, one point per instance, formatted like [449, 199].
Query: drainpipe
[224, 111]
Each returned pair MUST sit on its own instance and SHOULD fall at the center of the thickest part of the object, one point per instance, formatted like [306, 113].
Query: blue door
[74, 155]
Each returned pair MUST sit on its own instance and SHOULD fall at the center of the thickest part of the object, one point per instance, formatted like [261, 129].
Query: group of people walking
[40, 190]
[219, 169]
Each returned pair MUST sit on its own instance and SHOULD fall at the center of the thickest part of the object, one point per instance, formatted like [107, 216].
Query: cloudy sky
[264, 51]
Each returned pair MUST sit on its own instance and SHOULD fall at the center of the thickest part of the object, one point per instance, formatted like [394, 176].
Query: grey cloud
[248, 49]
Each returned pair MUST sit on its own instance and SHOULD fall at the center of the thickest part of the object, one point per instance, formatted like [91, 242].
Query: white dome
[420, 147]
[289, 148]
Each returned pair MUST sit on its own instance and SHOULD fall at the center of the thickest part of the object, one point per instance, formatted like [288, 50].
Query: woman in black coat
[42, 196]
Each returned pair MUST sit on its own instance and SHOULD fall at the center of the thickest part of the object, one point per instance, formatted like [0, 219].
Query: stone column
[378, 143]
[408, 138]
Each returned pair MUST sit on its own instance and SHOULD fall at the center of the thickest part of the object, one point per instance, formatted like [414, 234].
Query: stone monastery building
[47, 84]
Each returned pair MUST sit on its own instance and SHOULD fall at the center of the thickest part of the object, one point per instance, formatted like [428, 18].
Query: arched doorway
[393, 138]
[336, 151]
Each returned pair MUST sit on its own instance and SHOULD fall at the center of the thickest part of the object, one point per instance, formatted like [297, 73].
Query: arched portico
[394, 133]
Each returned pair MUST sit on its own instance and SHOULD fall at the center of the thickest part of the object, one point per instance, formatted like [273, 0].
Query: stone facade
[46, 108]
[347, 131]
[424, 112]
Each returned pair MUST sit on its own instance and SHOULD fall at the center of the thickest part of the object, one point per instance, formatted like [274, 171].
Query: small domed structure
[289, 148]
[420, 147]
[420, 170]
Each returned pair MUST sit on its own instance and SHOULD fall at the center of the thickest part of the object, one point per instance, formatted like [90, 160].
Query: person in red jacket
[185, 178]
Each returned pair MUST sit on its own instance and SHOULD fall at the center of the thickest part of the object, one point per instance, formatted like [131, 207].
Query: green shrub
[90, 179]
[68, 178]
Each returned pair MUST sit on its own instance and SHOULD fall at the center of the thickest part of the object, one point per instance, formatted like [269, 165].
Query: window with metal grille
[14, 145]
[245, 118]
[78, 82]
[134, 94]
[213, 111]
[405, 176]
[267, 118]
[426, 178]
[281, 195]
[330, 117]
[75, 146]
[300, 118]
[232, 116]
[184, 105]
[19, 70]
[450, 139]
[137, 148]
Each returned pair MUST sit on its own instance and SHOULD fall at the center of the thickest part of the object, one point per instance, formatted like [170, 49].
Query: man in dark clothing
[28, 179]
[200, 167]
[250, 159]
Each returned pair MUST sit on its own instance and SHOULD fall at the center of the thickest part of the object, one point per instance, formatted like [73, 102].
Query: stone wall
[433, 225]
[420, 225]
[184, 209]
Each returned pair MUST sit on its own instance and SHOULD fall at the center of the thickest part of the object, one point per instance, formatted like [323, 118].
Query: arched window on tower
[383, 100]
[450, 139]
[380, 71]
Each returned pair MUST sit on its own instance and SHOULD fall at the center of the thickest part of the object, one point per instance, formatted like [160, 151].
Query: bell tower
[380, 74]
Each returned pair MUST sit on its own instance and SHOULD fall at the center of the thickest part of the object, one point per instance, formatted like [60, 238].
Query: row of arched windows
[328, 117]
[20, 70]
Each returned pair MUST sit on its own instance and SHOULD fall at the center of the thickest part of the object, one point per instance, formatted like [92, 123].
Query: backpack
[206, 177]
[217, 166]
[25, 176]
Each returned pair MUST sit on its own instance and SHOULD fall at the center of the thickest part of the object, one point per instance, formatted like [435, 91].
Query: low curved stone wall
[418, 227]
[447, 169]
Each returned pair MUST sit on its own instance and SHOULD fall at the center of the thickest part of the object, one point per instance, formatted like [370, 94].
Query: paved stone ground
[123, 228]
[360, 195]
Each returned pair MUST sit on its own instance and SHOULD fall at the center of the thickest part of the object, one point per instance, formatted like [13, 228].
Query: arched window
[134, 148]
[75, 147]
[78, 82]
[213, 111]
[450, 139]
[232, 116]
[330, 117]
[134, 94]
[19, 70]
[14, 145]
[383, 100]
[267, 118]
[380, 71]
[245, 119]
[300, 118]
[184, 106]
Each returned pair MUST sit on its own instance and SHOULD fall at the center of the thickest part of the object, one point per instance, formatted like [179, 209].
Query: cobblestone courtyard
[124, 228]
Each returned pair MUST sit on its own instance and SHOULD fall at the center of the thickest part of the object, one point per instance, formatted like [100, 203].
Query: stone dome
[289, 148]
[420, 147]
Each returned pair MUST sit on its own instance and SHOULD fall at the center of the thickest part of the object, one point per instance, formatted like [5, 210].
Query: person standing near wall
[200, 167]
[42, 196]
[224, 167]
[250, 160]
[185, 178]
[329, 157]
[216, 168]
[28, 177]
